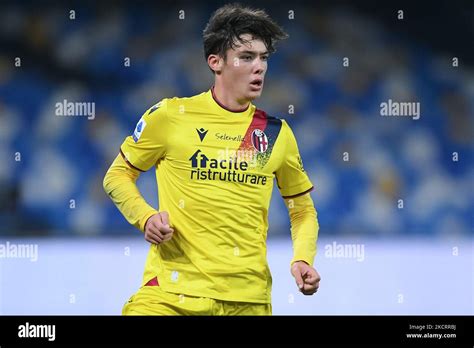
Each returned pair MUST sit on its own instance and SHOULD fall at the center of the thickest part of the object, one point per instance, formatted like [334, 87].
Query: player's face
[244, 70]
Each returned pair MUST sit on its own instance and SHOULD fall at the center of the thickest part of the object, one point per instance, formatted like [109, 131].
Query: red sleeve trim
[300, 194]
[129, 164]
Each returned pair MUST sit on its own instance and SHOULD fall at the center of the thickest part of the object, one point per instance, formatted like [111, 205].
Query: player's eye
[247, 58]
[265, 58]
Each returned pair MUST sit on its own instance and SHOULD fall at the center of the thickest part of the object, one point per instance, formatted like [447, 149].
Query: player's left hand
[306, 277]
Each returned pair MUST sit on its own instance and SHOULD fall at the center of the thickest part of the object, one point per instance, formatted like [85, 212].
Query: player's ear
[215, 62]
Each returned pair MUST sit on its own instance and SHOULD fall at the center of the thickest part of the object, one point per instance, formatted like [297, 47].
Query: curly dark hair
[229, 22]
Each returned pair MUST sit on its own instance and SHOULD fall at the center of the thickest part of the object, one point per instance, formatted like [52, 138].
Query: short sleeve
[147, 144]
[291, 177]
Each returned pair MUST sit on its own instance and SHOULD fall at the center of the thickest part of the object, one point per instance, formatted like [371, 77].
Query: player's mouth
[256, 84]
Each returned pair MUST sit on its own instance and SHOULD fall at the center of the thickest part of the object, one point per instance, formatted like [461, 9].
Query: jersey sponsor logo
[137, 133]
[231, 170]
[259, 140]
[202, 133]
[226, 137]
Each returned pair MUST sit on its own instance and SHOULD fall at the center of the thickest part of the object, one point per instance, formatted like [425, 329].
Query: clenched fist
[157, 228]
[306, 277]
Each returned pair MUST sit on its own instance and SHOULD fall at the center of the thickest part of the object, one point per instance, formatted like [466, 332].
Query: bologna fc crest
[259, 140]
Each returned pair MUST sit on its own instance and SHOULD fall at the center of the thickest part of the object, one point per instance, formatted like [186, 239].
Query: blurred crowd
[373, 175]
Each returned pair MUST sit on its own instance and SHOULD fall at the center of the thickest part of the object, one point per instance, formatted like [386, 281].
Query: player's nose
[259, 67]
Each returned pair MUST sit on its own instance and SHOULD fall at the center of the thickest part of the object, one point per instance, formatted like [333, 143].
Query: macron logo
[37, 331]
[202, 133]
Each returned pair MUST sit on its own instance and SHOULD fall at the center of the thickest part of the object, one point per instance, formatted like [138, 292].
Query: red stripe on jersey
[259, 121]
[153, 282]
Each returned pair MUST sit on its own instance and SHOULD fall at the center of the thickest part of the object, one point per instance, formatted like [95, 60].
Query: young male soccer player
[215, 156]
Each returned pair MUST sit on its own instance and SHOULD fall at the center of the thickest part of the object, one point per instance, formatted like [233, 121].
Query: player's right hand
[157, 228]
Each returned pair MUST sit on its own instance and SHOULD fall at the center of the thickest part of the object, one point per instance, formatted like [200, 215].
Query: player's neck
[227, 100]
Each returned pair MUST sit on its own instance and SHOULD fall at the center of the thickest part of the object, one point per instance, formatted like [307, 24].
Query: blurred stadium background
[124, 57]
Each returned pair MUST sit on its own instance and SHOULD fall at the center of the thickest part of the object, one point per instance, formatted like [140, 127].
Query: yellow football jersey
[215, 171]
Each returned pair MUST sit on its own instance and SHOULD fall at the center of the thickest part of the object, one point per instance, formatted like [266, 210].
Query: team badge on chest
[259, 140]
